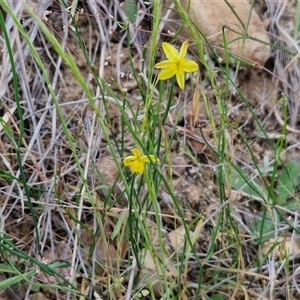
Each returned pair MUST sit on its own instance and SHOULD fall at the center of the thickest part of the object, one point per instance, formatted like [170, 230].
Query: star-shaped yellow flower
[137, 162]
[176, 64]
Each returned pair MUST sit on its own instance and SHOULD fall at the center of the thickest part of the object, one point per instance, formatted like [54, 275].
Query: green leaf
[263, 226]
[130, 9]
[16, 279]
[288, 180]
[292, 204]
[240, 180]
[215, 297]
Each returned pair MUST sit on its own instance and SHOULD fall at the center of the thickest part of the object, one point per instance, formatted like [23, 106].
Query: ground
[48, 161]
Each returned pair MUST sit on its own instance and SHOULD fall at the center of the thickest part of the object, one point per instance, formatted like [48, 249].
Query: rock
[213, 16]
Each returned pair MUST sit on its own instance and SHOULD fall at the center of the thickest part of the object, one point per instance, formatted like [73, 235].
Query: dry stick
[276, 113]
[100, 106]
[78, 227]
[131, 280]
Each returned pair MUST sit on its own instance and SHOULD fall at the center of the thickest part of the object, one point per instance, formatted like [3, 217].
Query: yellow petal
[144, 159]
[189, 66]
[128, 160]
[170, 51]
[153, 158]
[136, 152]
[183, 50]
[164, 64]
[180, 79]
[166, 74]
[137, 167]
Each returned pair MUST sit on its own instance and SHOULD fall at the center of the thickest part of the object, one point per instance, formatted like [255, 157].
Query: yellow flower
[176, 64]
[137, 162]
